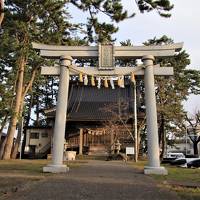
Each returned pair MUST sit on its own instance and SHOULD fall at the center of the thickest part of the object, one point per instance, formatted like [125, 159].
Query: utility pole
[186, 136]
[135, 122]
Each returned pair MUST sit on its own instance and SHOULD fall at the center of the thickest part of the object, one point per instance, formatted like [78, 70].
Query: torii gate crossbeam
[53, 51]
[106, 55]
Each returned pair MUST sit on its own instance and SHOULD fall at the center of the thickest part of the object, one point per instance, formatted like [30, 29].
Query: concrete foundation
[155, 170]
[56, 168]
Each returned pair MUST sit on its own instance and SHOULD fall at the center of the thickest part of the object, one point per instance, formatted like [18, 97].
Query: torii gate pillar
[151, 113]
[59, 130]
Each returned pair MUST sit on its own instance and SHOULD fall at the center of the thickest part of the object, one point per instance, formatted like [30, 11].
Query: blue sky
[182, 26]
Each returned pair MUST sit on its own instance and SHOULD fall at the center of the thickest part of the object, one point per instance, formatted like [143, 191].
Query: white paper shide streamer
[85, 80]
[99, 82]
[112, 83]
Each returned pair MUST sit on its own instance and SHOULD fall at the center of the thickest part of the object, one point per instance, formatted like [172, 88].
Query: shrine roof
[87, 103]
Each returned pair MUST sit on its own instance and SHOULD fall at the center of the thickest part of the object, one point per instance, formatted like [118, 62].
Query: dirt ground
[91, 180]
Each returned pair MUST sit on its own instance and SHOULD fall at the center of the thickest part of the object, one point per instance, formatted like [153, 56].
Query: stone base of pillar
[155, 170]
[56, 168]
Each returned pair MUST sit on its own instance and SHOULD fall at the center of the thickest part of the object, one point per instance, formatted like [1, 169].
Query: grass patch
[17, 175]
[177, 174]
[31, 166]
[75, 163]
[22, 166]
[187, 193]
[184, 181]
[138, 165]
[181, 175]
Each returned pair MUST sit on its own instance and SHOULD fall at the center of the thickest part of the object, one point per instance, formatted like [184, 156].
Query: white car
[175, 155]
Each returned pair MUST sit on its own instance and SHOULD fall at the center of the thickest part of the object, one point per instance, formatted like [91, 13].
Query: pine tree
[48, 22]
[101, 31]
[173, 90]
[25, 22]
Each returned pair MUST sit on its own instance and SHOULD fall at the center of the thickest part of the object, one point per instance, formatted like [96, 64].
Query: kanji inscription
[106, 57]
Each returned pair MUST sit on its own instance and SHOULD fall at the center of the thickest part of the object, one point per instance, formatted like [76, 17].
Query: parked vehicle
[167, 160]
[175, 155]
[170, 157]
[186, 162]
[179, 161]
[194, 163]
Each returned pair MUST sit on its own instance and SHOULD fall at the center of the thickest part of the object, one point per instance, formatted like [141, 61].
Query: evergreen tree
[48, 22]
[172, 91]
[102, 31]
[161, 6]
[25, 22]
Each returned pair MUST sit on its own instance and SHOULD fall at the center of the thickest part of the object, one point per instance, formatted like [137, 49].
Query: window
[44, 135]
[34, 135]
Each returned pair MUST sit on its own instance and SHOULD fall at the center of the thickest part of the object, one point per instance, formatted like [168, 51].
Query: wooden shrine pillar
[81, 142]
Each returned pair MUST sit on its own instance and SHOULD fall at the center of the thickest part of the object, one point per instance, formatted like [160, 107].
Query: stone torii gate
[106, 55]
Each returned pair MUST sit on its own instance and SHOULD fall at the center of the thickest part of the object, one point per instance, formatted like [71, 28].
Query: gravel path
[97, 180]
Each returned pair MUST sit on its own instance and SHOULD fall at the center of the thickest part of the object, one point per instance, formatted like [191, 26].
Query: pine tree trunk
[163, 136]
[37, 110]
[52, 90]
[17, 143]
[18, 140]
[3, 125]
[2, 146]
[195, 147]
[1, 11]
[25, 90]
[27, 123]
[14, 118]
[160, 134]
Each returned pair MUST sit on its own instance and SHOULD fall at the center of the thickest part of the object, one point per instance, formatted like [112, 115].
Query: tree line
[49, 21]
